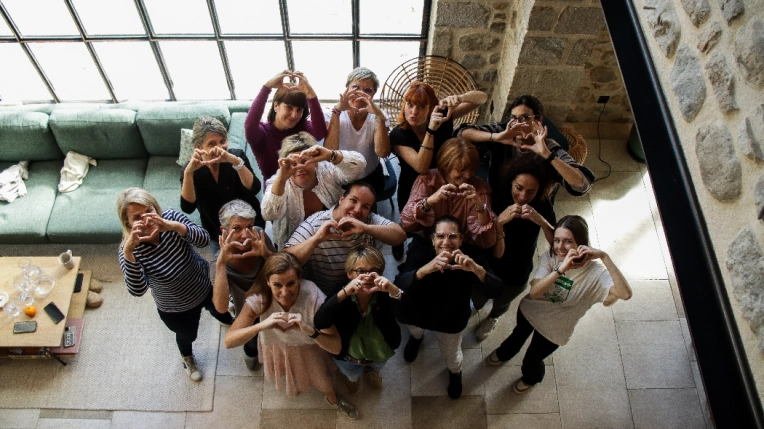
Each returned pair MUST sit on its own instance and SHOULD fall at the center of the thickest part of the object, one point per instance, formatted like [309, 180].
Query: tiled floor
[628, 366]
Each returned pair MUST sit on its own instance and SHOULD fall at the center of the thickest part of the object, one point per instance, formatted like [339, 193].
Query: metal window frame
[150, 36]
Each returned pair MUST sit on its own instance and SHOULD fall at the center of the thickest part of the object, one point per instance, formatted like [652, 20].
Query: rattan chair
[576, 144]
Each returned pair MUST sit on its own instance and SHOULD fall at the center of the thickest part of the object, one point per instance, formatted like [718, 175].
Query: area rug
[128, 360]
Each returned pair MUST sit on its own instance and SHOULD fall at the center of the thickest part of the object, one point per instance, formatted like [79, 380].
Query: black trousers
[533, 362]
[185, 324]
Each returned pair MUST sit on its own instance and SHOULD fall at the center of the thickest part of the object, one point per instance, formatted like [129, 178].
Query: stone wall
[710, 60]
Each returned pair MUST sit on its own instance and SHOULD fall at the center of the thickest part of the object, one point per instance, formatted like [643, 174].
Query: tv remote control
[69, 337]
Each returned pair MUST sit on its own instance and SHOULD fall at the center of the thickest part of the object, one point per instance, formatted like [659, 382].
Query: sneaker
[189, 364]
[374, 379]
[485, 328]
[455, 385]
[94, 300]
[345, 406]
[251, 362]
[412, 349]
[521, 387]
[398, 251]
[95, 285]
[493, 359]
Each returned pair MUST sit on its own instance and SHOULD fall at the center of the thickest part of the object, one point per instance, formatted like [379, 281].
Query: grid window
[101, 17]
[196, 70]
[179, 16]
[18, 79]
[4, 30]
[391, 17]
[323, 17]
[325, 65]
[123, 62]
[248, 69]
[41, 17]
[71, 71]
[383, 57]
[249, 17]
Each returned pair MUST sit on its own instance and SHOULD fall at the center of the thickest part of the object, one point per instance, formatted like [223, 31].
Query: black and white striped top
[178, 276]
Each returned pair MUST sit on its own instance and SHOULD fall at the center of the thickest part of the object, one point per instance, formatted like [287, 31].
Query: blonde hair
[368, 254]
[296, 143]
[134, 196]
[457, 154]
[277, 263]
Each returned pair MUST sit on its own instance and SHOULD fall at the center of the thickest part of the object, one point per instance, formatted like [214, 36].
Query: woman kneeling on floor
[290, 348]
[569, 280]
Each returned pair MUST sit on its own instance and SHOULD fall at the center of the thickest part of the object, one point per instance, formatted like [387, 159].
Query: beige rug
[128, 361]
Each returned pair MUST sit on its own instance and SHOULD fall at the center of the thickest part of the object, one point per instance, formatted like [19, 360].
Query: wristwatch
[481, 209]
[239, 165]
[316, 333]
[551, 157]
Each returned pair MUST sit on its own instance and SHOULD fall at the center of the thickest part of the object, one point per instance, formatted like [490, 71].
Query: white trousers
[450, 347]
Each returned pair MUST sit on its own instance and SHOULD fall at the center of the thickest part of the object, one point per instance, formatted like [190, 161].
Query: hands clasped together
[517, 211]
[368, 284]
[453, 260]
[253, 245]
[358, 101]
[334, 230]
[284, 321]
[527, 136]
[443, 111]
[291, 80]
[578, 257]
[293, 162]
[216, 155]
[449, 190]
[148, 229]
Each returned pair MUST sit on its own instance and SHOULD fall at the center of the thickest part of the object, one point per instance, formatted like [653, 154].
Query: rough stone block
[603, 74]
[747, 142]
[472, 61]
[581, 52]
[500, 16]
[494, 58]
[758, 193]
[478, 42]
[500, 5]
[490, 75]
[498, 27]
[749, 52]
[745, 263]
[731, 9]
[662, 18]
[545, 51]
[708, 38]
[462, 15]
[441, 43]
[581, 20]
[558, 113]
[687, 82]
[542, 18]
[719, 165]
[697, 10]
[549, 84]
[722, 82]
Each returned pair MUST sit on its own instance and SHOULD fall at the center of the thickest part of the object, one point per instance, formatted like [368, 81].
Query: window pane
[41, 17]
[179, 16]
[391, 17]
[20, 81]
[325, 65]
[123, 61]
[384, 57]
[4, 30]
[195, 70]
[248, 17]
[71, 71]
[109, 17]
[249, 72]
[326, 16]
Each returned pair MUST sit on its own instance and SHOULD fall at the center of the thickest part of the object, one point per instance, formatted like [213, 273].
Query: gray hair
[296, 143]
[204, 125]
[362, 73]
[235, 208]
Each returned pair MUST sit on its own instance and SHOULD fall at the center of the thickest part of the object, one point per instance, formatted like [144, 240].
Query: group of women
[471, 240]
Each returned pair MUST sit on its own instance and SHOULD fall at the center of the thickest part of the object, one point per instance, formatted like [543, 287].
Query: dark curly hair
[530, 101]
[532, 164]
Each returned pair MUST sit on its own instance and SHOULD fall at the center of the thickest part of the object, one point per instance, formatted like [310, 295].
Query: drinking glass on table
[11, 309]
[44, 287]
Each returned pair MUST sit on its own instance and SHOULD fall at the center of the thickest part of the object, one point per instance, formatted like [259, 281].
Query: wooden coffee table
[48, 334]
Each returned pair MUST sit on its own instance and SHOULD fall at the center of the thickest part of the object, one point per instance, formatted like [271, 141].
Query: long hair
[419, 93]
[277, 263]
[576, 225]
[134, 196]
[291, 97]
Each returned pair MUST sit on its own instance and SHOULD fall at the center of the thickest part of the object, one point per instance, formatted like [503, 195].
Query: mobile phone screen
[24, 327]
[78, 283]
[55, 314]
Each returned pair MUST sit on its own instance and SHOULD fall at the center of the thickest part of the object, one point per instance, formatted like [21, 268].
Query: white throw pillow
[186, 147]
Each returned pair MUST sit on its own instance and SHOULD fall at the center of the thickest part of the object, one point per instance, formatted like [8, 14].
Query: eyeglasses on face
[362, 271]
[523, 118]
[450, 236]
[366, 90]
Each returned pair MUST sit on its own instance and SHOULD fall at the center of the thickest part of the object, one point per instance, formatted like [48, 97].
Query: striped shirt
[178, 276]
[326, 266]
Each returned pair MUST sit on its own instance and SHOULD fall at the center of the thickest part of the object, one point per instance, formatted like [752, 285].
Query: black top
[408, 138]
[211, 195]
[442, 300]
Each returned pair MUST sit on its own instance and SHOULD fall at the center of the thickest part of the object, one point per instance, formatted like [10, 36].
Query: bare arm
[418, 160]
[460, 105]
[381, 137]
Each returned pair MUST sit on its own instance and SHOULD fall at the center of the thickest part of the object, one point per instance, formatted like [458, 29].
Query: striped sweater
[178, 276]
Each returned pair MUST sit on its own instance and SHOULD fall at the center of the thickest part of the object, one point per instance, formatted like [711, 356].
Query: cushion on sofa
[25, 136]
[160, 125]
[163, 182]
[98, 133]
[26, 219]
[236, 139]
[88, 214]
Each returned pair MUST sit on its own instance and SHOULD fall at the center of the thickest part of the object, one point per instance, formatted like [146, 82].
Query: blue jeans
[353, 371]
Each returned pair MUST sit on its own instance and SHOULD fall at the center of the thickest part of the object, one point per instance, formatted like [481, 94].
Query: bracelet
[380, 120]
[425, 147]
[501, 236]
[560, 273]
[336, 111]
[396, 296]
[482, 208]
[427, 130]
[334, 155]
[491, 138]
[551, 157]
[423, 205]
[240, 165]
[315, 334]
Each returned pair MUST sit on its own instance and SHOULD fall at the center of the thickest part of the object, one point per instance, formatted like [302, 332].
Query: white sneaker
[189, 364]
[485, 328]
[345, 406]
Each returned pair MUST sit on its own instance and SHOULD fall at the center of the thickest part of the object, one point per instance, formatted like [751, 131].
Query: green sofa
[134, 145]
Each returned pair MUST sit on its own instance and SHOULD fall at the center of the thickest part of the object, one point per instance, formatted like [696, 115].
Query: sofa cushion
[88, 214]
[170, 199]
[160, 125]
[98, 133]
[26, 219]
[25, 136]
[236, 139]
[163, 182]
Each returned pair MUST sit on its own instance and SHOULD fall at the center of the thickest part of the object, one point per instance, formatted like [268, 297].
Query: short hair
[576, 225]
[365, 253]
[447, 219]
[362, 73]
[296, 143]
[278, 263]
[291, 97]
[529, 101]
[457, 154]
[419, 93]
[134, 196]
[358, 183]
[204, 125]
[531, 164]
[235, 208]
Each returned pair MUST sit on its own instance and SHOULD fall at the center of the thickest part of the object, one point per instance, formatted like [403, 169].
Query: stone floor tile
[702, 397]
[278, 399]
[73, 424]
[144, 420]
[654, 355]
[19, 418]
[611, 151]
[503, 329]
[652, 300]
[442, 412]
[231, 361]
[75, 414]
[236, 402]
[688, 339]
[429, 375]
[525, 421]
[299, 419]
[676, 294]
[666, 408]
[500, 398]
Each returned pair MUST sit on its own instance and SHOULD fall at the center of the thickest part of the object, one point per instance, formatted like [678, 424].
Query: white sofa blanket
[12, 181]
[75, 168]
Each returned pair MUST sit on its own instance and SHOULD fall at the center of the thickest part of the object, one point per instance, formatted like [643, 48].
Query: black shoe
[412, 349]
[398, 251]
[454, 385]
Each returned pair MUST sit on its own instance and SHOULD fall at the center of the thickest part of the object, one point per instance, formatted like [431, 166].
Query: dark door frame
[732, 394]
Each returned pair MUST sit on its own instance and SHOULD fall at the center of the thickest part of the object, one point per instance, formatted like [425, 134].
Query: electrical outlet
[603, 99]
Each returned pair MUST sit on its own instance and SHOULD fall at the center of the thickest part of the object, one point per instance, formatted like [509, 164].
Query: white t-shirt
[556, 313]
[361, 141]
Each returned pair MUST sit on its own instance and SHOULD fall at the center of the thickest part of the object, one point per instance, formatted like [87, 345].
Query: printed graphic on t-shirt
[560, 291]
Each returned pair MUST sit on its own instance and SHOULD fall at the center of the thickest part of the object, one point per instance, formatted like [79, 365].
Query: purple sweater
[265, 139]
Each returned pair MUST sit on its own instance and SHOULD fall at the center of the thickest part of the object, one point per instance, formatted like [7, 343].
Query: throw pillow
[186, 147]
